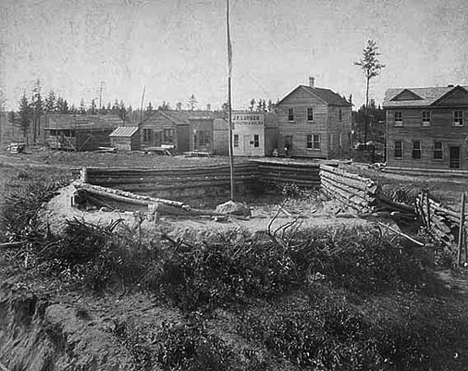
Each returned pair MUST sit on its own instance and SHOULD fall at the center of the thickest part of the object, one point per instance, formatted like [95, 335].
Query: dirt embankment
[42, 334]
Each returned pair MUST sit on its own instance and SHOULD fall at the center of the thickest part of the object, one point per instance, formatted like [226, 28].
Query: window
[290, 114]
[457, 118]
[313, 141]
[332, 140]
[147, 135]
[309, 141]
[256, 141]
[398, 153]
[416, 149]
[310, 114]
[438, 151]
[168, 136]
[53, 133]
[426, 118]
[204, 138]
[236, 140]
[340, 115]
[398, 118]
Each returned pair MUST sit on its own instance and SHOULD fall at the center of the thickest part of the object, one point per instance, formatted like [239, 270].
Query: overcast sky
[175, 48]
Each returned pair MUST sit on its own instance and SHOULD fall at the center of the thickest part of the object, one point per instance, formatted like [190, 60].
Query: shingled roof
[422, 96]
[328, 96]
[124, 131]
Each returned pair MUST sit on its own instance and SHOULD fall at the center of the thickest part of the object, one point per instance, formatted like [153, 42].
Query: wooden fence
[355, 191]
[443, 223]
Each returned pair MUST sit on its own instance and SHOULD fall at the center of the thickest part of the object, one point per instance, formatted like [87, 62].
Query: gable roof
[328, 96]
[182, 117]
[124, 131]
[82, 122]
[428, 96]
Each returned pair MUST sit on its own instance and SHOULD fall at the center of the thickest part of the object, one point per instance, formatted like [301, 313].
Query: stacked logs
[359, 193]
[279, 172]
[151, 181]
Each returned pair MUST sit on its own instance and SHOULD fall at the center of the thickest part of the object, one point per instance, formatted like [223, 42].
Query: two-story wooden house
[427, 128]
[314, 122]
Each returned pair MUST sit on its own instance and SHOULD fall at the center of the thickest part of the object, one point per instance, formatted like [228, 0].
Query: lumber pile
[359, 193]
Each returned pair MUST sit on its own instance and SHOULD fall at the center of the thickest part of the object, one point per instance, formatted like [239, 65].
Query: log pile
[359, 193]
[107, 197]
[441, 222]
[144, 181]
[279, 173]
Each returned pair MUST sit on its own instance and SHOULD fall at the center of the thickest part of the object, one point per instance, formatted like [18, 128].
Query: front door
[454, 157]
[288, 145]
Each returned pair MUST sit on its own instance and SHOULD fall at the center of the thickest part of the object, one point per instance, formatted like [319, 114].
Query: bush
[189, 347]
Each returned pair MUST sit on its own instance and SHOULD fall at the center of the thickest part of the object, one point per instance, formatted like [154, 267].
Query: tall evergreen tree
[252, 105]
[82, 108]
[25, 117]
[192, 102]
[371, 67]
[37, 107]
[92, 109]
[50, 102]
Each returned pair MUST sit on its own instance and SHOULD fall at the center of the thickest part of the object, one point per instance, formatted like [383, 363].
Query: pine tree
[192, 103]
[82, 108]
[92, 109]
[37, 106]
[24, 117]
[371, 67]
[149, 110]
[252, 105]
[50, 102]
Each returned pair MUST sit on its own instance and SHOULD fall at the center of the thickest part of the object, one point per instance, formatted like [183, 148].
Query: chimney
[312, 82]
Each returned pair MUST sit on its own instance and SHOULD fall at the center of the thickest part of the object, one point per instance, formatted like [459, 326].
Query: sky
[175, 48]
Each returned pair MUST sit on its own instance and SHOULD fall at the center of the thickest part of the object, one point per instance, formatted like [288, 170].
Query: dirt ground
[274, 218]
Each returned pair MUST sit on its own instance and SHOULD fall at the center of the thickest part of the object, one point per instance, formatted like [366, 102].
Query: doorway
[247, 145]
[454, 157]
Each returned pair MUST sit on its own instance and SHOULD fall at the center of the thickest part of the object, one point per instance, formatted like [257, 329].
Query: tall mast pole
[231, 150]
[141, 106]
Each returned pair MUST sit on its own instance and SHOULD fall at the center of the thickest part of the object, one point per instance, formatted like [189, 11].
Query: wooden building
[427, 128]
[125, 138]
[314, 122]
[76, 132]
[171, 128]
[201, 131]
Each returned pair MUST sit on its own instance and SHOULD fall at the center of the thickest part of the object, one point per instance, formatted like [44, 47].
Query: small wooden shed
[125, 138]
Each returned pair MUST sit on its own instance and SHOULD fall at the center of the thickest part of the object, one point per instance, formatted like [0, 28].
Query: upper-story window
[340, 115]
[458, 118]
[310, 114]
[426, 118]
[290, 114]
[398, 118]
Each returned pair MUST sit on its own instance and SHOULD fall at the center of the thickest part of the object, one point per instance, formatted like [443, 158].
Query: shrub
[189, 347]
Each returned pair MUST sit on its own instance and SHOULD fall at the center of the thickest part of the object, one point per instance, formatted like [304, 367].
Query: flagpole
[231, 150]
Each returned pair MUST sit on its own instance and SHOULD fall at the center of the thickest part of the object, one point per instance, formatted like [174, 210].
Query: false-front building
[427, 128]
[314, 122]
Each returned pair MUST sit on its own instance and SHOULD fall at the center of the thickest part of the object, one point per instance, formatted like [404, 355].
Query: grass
[316, 299]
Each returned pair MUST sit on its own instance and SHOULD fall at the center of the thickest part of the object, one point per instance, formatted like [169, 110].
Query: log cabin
[427, 128]
[314, 122]
[76, 132]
